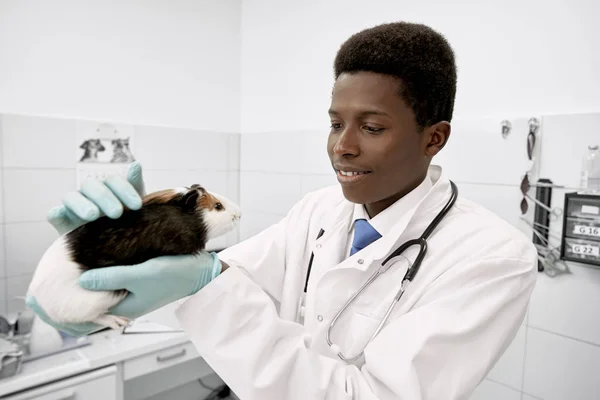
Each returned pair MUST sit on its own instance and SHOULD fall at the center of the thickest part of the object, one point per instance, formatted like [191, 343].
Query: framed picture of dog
[106, 150]
[103, 149]
[106, 144]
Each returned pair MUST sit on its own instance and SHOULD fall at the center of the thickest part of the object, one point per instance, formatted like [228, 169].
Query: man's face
[375, 134]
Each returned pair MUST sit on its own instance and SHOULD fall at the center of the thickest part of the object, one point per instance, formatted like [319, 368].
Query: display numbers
[587, 230]
[586, 250]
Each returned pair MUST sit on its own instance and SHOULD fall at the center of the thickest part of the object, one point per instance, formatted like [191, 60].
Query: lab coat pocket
[375, 299]
[360, 320]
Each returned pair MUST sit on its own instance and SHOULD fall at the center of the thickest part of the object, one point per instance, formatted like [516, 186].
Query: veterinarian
[247, 313]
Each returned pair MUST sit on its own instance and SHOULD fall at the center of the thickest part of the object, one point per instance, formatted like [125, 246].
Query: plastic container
[590, 171]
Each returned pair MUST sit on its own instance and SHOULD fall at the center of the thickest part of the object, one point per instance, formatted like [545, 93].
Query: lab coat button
[320, 318]
[318, 246]
[360, 261]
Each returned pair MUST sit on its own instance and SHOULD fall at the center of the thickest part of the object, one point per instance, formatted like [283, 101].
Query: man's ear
[438, 136]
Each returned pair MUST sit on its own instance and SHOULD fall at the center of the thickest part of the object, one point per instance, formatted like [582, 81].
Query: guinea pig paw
[111, 321]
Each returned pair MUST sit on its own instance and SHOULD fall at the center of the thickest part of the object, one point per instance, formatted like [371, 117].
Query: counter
[131, 356]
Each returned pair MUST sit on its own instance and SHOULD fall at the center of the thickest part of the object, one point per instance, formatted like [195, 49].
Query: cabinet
[100, 384]
[167, 369]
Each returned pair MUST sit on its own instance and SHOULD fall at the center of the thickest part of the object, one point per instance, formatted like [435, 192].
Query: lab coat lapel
[330, 248]
[333, 244]
[418, 218]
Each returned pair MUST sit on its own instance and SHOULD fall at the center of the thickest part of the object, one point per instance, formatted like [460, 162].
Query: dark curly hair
[418, 56]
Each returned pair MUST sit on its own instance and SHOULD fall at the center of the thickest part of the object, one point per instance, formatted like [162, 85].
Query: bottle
[590, 171]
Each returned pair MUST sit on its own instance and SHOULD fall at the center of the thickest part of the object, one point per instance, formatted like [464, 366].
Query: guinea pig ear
[189, 200]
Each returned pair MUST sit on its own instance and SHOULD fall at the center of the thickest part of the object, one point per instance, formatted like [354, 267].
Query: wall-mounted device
[581, 229]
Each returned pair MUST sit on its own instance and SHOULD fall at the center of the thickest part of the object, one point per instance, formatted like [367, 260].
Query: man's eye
[373, 129]
[335, 125]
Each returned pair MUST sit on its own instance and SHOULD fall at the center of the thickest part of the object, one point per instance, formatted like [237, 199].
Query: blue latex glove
[95, 199]
[154, 283]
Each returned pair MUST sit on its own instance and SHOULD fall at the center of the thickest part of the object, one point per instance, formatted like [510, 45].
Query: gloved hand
[96, 198]
[152, 285]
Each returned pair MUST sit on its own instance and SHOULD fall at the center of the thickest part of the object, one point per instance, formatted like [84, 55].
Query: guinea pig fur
[170, 222]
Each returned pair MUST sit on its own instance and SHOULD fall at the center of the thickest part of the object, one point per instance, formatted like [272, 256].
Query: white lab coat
[454, 321]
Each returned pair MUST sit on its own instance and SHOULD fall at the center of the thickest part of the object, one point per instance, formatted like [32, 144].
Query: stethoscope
[408, 277]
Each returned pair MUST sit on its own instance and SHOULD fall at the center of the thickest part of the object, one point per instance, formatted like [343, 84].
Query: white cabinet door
[96, 385]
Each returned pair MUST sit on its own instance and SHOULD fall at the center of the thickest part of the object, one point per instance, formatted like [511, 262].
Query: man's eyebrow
[363, 113]
[373, 112]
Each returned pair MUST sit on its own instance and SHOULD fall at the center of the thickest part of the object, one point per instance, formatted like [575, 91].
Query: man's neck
[376, 208]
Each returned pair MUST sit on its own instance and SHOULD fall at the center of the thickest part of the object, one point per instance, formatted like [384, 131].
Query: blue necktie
[364, 235]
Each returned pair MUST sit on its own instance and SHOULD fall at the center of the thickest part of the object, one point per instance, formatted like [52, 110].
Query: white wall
[514, 57]
[516, 60]
[173, 63]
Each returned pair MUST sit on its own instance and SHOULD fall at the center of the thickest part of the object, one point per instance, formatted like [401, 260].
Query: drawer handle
[172, 356]
[64, 395]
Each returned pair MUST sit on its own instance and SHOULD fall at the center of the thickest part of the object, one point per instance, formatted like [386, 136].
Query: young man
[390, 115]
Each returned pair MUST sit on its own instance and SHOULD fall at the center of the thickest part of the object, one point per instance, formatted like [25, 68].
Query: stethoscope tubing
[408, 277]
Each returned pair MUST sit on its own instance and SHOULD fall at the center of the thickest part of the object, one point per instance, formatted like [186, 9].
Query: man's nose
[347, 143]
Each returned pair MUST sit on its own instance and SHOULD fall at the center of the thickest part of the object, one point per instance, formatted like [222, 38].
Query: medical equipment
[590, 170]
[552, 262]
[580, 240]
[408, 277]
[555, 213]
[549, 257]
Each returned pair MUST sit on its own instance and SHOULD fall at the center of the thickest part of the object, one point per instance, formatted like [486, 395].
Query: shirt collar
[386, 219]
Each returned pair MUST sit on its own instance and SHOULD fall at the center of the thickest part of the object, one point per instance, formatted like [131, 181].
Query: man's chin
[355, 195]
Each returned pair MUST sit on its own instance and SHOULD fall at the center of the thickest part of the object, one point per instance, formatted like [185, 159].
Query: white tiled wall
[556, 353]
[38, 165]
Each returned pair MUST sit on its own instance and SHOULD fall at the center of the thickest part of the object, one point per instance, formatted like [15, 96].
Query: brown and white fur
[170, 222]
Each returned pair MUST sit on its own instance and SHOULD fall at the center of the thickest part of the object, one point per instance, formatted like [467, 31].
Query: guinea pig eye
[219, 206]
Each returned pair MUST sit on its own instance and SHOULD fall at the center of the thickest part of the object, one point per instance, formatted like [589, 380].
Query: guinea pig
[170, 222]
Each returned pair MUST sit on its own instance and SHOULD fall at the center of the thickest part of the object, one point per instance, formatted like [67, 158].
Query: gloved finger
[110, 278]
[132, 307]
[58, 218]
[81, 206]
[63, 220]
[136, 178]
[74, 220]
[103, 197]
[124, 191]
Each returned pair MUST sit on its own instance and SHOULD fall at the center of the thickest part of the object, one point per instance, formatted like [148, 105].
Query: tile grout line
[22, 275]
[38, 168]
[564, 336]
[503, 384]
[525, 353]
[2, 198]
[131, 124]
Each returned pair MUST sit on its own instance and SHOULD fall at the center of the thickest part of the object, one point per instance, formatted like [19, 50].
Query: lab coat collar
[332, 248]
[384, 221]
